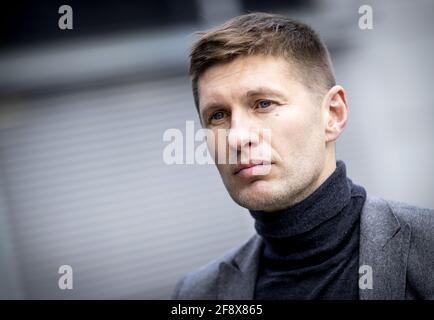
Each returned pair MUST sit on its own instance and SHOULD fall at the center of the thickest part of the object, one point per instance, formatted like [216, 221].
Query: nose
[242, 136]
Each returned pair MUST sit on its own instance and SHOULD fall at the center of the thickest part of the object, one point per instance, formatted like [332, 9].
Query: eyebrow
[264, 91]
[260, 91]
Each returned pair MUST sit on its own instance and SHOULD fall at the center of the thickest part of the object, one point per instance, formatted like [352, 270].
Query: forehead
[232, 80]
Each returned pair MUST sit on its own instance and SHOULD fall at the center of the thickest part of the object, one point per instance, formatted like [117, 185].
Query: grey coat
[396, 241]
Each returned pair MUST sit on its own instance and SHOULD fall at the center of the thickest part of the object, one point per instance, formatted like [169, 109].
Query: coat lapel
[384, 246]
[237, 276]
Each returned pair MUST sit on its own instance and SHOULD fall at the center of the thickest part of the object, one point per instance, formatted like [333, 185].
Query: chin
[258, 204]
[257, 196]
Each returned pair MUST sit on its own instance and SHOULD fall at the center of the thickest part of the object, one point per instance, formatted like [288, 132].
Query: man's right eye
[217, 115]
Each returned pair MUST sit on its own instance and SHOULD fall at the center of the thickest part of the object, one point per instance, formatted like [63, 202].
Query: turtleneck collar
[311, 249]
[323, 204]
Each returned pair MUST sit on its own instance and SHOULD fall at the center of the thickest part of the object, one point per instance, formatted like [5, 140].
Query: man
[316, 230]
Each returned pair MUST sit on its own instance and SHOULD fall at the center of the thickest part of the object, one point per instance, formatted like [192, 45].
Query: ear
[335, 109]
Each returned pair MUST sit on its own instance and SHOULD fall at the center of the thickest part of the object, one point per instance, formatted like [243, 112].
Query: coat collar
[384, 245]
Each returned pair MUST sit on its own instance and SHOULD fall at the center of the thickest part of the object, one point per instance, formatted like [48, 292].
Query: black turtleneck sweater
[311, 249]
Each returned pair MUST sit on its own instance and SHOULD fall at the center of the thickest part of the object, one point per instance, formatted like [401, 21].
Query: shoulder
[201, 284]
[418, 218]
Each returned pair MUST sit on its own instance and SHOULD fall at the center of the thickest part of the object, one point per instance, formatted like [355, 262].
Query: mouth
[253, 168]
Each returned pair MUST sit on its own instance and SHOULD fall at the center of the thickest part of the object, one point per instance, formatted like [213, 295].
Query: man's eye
[217, 115]
[264, 103]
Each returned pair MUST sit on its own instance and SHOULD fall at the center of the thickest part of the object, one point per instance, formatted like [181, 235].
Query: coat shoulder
[421, 220]
[418, 218]
[201, 284]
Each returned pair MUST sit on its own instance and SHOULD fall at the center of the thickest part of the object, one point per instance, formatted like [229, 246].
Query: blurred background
[82, 117]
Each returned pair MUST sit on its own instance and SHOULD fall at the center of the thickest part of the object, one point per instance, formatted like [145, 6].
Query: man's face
[246, 96]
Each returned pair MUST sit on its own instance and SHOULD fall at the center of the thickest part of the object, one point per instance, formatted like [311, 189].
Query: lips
[253, 168]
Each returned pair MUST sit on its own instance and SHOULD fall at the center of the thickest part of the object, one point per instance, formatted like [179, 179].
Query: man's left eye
[264, 104]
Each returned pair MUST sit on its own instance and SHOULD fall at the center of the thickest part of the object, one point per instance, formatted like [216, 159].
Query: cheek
[295, 134]
[211, 143]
